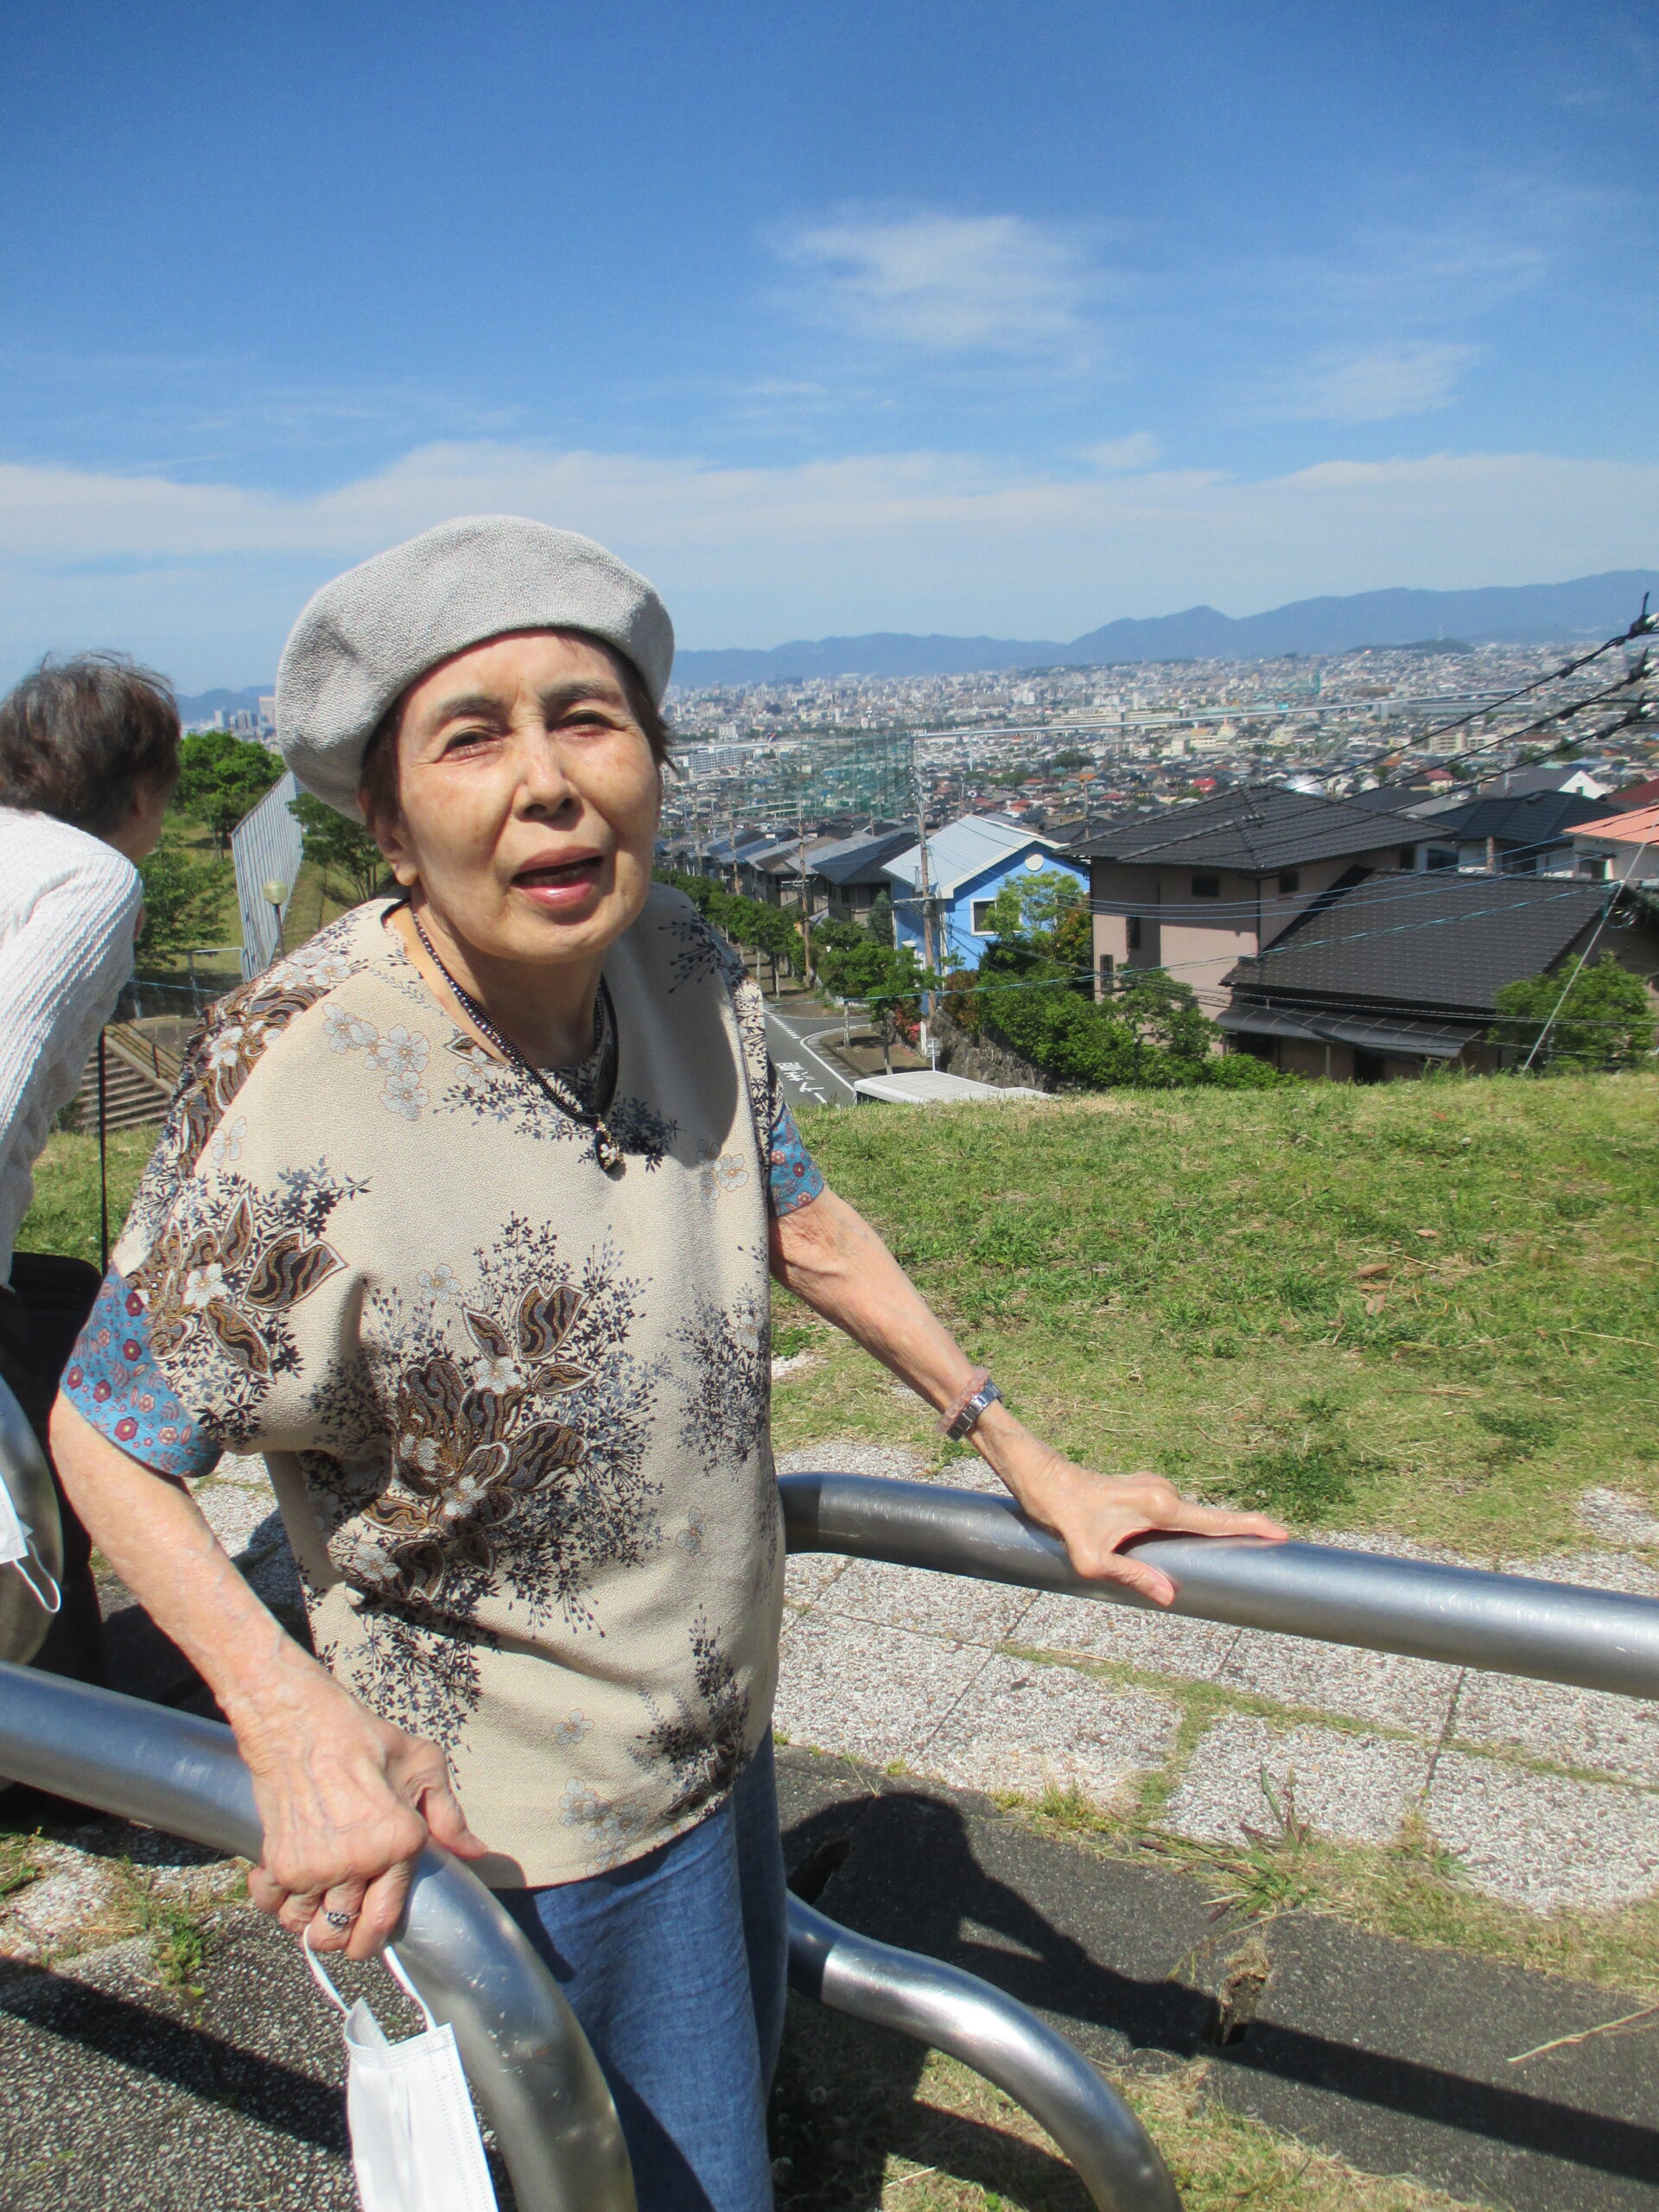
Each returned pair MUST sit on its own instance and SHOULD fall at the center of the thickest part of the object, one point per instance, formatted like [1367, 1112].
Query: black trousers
[42, 1312]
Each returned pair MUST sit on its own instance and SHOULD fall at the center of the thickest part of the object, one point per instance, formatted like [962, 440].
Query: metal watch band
[988, 1394]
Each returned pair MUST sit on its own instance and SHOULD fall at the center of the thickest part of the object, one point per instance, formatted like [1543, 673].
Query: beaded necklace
[550, 1081]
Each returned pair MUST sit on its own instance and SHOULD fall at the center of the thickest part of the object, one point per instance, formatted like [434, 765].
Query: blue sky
[995, 317]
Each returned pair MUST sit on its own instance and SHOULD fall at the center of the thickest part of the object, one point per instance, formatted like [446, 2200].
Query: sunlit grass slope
[1430, 1308]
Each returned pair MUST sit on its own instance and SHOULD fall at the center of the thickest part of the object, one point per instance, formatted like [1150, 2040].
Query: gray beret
[368, 635]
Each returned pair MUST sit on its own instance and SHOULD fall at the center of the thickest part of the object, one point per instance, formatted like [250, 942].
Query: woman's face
[528, 797]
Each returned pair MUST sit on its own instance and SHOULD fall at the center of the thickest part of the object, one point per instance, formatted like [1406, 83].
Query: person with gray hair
[89, 755]
[467, 1217]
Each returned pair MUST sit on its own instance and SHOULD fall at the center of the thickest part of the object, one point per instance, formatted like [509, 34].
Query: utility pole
[927, 897]
[806, 909]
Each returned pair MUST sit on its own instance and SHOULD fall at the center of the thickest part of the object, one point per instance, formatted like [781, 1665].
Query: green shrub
[1599, 1017]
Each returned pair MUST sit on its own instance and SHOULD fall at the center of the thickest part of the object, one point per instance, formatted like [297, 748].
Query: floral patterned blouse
[515, 1406]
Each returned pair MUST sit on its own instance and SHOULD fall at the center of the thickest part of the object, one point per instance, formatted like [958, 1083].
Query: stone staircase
[140, 1072]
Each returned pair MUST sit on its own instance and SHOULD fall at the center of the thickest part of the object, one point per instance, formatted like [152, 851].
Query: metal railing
[1506, 1624]
[999, 2038]
[527, 2059]
[525, 2055]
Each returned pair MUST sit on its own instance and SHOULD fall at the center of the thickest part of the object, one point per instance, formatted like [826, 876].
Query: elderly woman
[89, 756]
[465, 1218]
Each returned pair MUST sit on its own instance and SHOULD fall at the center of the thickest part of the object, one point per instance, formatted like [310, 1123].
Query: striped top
[70, 906]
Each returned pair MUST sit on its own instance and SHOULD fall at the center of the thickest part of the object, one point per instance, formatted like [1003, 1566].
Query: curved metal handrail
[524, 2053]
[24, 1619]
[1505, 1623]
[999, 2038]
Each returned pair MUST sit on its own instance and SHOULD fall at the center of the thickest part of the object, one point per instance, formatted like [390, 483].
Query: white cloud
[1377, 385]
[947, 284]
[1139, 450]
[205, 579]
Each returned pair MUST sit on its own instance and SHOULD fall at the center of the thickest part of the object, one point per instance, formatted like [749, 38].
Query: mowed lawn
[1429, 1307]
[1432, 1307]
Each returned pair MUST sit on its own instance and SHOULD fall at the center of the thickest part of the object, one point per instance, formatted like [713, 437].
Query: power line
[1538, 1040]
[1351, 937]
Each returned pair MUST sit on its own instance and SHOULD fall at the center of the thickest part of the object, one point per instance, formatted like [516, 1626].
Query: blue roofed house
[967, 863]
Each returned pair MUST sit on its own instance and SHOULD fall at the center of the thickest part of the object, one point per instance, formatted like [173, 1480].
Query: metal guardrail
[524, 2051]
[1504, 1624]
[999, 2038]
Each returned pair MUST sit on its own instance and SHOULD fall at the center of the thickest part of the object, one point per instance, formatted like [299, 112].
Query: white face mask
[415, 2141]
[17, 1548]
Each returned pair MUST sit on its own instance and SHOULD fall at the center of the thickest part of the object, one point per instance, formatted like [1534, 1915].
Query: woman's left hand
[1095, 1515]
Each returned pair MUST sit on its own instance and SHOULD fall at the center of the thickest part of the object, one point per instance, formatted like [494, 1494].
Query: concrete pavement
[810, 1078]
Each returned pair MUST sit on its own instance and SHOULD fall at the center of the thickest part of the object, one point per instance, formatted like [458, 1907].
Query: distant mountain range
[201, 706]
[1521, 615]
[1517, 614]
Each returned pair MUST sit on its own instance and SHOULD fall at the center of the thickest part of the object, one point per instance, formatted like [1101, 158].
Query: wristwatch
[970, 1411]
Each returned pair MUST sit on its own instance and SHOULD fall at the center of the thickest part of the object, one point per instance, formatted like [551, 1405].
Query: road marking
[798, 1076]
[838, 1080]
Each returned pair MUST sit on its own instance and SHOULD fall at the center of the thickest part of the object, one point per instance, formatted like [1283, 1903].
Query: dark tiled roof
[1523, 819]
[1255, 829]
[859, 858]
[1430, 941]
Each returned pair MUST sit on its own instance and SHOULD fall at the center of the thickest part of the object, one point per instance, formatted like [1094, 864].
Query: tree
[329, 841]
[752, 922]
[184, 899]
[220, 777]
[889, 980]
[1031, 905]
[1605, 1019]
[1151, 1033]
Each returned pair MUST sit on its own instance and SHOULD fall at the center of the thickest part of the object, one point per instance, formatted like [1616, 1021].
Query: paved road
[810, 1077]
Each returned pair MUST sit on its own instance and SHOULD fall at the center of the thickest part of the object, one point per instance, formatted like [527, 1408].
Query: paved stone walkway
[1548, 1796]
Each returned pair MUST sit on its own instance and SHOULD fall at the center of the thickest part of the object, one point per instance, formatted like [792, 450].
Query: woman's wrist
[1010, 1450]
[276, 1710]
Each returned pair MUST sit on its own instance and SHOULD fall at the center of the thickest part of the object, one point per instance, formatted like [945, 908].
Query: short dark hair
[377, 783]
[79, 736]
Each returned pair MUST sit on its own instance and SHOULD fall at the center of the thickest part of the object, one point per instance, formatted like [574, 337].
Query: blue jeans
[675, 1965]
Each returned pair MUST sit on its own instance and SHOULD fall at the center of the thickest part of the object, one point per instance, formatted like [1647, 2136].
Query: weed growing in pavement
[863, 2121]
[179, 1934]
[21, 1862]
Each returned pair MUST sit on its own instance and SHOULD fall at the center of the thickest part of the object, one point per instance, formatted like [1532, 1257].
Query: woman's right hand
[346, 1802]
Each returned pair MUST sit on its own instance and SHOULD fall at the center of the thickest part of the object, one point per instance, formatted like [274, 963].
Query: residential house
[1569, 776]
[1402, 973]
[849, 875]
[786, 874]
[1199, 888]
[1527, 835]
[1624, 847]
[967, 863]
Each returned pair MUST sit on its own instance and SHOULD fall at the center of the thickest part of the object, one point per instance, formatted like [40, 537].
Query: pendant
[606, 1150]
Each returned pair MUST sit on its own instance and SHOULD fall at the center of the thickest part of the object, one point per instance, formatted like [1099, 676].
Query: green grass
[1424, 1307]
[64, 1217]
[866, 2120]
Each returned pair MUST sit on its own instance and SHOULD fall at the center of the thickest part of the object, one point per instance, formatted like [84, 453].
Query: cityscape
[1064, 747]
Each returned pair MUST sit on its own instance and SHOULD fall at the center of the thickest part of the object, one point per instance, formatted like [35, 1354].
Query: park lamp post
[276, 894]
